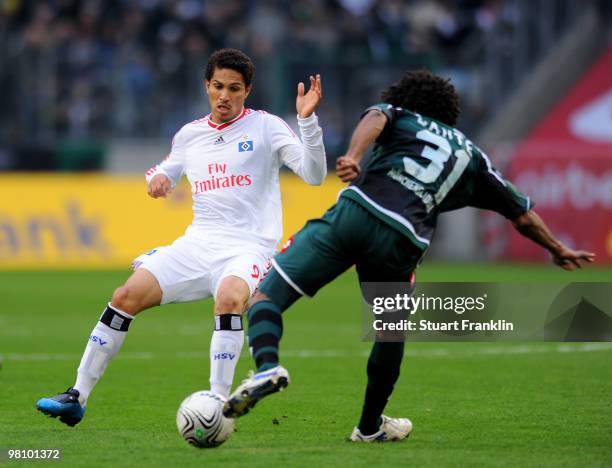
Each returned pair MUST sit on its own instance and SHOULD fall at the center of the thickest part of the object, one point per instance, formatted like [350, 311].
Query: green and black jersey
[420, 167]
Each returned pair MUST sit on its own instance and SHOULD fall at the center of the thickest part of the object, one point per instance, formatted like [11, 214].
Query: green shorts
[346, 235]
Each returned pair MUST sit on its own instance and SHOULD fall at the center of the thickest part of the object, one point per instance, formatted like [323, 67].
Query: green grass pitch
[472, 404]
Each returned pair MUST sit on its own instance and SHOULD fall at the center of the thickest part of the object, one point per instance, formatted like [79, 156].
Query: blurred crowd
[85, 69]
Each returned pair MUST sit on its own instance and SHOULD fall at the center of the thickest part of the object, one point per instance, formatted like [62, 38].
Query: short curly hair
[425, 93]
[233, 59]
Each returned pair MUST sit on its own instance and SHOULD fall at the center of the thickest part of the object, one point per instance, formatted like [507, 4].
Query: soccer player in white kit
[231, 159]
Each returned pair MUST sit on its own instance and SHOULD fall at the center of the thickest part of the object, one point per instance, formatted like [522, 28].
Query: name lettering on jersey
[448, 133]
[216, 168]
[414, 187]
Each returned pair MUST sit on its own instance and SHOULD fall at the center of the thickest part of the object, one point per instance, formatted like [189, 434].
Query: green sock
[265, 332]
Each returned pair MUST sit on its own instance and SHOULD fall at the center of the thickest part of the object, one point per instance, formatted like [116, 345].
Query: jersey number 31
[437, 160]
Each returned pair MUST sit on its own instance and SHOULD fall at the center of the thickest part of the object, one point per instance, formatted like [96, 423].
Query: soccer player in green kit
[383, 223]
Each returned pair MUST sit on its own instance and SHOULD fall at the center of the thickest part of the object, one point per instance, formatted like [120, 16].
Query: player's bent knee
[229, 302]
[120, 297]
[126, 300]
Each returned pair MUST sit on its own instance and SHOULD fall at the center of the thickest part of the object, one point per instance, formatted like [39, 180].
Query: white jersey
[233, 172]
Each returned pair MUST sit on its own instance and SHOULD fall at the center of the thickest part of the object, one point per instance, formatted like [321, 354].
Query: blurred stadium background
[92, 91]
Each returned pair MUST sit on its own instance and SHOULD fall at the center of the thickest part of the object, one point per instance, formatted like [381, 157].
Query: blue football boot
[65, 405]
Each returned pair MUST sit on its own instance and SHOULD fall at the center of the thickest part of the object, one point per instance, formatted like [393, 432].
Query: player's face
[226, 94]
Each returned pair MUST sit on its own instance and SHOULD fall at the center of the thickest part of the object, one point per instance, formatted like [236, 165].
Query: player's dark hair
[428, 94]
[233, 59]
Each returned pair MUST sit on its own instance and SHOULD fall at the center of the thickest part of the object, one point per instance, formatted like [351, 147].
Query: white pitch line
[337, 353]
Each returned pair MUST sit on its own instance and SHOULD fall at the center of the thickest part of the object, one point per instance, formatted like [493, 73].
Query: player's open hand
[569, 259]
[160, 186]
[347, 169]
[305, 104]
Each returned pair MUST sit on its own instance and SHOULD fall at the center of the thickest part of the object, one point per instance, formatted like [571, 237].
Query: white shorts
[192, 268]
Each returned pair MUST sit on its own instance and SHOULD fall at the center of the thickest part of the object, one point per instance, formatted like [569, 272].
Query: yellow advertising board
[50, 221]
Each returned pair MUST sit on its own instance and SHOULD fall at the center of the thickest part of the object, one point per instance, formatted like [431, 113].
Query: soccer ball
[200, 420]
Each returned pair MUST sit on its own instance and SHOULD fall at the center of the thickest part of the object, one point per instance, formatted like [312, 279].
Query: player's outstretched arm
[367, 131]
[305, 104]
[159, 186]
[305, 158]
[530, 225]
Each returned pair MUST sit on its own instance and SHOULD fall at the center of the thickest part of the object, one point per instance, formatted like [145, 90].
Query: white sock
[104, 342]
[225, 347]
